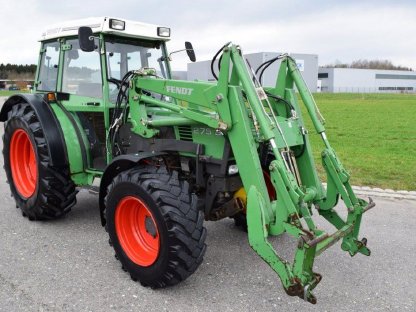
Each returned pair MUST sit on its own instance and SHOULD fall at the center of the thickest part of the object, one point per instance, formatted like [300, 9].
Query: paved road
[67, 265]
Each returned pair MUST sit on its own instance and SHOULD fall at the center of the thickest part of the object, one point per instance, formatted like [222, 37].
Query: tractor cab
[92, 76]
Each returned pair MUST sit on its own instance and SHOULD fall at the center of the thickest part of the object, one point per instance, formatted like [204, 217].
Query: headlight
[232, 169]
[163, 32]
[117, 24]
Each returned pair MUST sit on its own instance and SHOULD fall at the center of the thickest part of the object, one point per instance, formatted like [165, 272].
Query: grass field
[9, 93]
[374, 135]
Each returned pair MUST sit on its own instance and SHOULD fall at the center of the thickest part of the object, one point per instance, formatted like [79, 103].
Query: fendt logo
[179, 90]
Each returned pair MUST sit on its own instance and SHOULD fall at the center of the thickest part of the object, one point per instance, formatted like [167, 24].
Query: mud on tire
[54, 192]
[178, 223]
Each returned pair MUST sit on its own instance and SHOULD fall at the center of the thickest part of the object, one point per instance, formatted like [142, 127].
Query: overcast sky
[335, 30]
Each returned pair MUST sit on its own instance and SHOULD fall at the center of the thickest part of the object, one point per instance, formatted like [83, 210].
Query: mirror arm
[176, 51]
[169, 57]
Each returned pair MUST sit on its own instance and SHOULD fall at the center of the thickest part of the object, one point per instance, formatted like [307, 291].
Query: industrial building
[355, 80]
[307, 64]
[321, 79]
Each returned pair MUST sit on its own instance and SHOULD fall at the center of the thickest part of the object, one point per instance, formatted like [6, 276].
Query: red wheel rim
[23, 163]
[137, 231]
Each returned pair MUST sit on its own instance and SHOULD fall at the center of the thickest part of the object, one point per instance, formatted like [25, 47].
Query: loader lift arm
[244, 113]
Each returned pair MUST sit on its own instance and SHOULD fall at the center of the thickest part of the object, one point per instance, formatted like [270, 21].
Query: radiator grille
[185, 133]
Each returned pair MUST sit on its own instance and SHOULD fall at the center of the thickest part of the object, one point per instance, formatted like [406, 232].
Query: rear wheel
[40, 190]
[154, 226]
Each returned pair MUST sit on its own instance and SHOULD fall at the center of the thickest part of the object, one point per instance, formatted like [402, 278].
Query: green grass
[374, 135]
[9, 93]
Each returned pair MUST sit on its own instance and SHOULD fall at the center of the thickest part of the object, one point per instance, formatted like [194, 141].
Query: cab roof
[132, 29]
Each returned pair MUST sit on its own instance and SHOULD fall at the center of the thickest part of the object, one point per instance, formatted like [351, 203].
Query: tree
[17, 71]
[369, 64]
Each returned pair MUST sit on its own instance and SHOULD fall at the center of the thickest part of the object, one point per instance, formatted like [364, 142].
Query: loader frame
[231, 101]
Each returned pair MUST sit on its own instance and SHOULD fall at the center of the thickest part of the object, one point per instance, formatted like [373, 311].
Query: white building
[355, 80]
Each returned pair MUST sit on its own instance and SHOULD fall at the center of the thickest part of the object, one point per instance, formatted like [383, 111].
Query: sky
[338, 31]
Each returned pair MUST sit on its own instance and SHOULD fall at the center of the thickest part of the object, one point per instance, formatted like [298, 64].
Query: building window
[395, 88]
[323, 75]
[393, 76]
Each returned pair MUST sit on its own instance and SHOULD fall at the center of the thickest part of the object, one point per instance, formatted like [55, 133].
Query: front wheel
[154, 226]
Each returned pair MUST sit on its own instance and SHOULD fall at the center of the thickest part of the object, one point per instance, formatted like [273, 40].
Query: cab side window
[48, 71]
[81, 73]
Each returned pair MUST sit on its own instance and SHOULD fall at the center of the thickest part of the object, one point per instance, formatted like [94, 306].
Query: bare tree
[369, 64]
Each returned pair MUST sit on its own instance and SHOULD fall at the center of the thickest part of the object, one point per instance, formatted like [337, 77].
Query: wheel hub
[137, 231]
[150, 226]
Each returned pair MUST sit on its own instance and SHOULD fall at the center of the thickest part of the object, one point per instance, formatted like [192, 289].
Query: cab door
[82, 79]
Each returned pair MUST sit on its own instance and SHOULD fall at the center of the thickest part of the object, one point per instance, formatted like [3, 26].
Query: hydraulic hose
[265, 65]
[215, 57]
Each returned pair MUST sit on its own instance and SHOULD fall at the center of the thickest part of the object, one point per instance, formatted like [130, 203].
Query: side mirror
[190, 51]
[86, 39]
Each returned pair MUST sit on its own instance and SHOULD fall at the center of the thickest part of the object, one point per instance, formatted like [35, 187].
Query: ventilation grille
[185, 133]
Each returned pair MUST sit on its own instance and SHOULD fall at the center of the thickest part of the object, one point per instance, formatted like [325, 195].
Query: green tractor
[170, 154]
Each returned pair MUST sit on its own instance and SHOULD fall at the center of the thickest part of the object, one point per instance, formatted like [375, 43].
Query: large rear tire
[41, 191]
[154, 226]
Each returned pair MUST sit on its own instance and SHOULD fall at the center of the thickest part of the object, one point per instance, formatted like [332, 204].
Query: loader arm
[249, 115]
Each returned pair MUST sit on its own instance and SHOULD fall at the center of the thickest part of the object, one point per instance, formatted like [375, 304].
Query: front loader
[171, 153]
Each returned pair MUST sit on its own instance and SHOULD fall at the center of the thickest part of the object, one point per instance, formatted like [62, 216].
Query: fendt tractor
[170, 154]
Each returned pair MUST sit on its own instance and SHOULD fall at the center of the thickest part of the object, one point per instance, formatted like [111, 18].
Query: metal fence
[368, 90]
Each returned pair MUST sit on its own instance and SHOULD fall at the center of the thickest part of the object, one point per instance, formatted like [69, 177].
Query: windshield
[125, 55]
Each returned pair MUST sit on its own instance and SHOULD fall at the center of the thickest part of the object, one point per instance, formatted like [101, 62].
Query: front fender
[119, 164]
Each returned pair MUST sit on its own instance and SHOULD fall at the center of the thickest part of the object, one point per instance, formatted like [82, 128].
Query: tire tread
[181, 215]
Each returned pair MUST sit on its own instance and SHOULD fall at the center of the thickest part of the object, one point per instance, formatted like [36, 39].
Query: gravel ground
[67, 265]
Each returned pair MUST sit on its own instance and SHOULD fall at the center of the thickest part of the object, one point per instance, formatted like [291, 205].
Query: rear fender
[50, 125]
